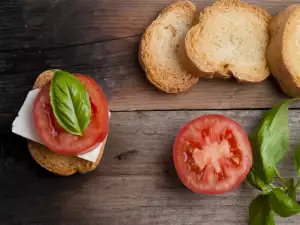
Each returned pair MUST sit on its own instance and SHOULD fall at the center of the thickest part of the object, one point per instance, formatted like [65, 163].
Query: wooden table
[136, 182]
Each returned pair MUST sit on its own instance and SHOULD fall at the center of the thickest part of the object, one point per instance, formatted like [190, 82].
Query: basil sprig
[70, 102]
[291, 190]
[297, 160]
[282, 204]
[270, 142]
[255, 181]
[260, 212]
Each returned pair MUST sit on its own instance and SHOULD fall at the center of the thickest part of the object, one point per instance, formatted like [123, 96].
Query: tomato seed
[185, 156]
[189, 150]
[222, 175]
[194, 167]
[235, 159]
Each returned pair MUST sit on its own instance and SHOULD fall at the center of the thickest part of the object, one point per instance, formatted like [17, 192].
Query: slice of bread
[64, 165]
[162, 54]
[283, 53]
[230, 40]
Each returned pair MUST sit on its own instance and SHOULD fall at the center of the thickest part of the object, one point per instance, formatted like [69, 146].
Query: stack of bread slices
[229, 39]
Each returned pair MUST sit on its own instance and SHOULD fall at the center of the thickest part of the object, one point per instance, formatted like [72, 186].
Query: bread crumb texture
[230, 40]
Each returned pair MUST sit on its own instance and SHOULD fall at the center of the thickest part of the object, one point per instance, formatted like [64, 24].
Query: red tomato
[212, 154]
[59, 140]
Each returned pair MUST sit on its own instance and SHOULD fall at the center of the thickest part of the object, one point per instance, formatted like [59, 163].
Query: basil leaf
[297, 160]
[291, 191]
[281, 204]
[256, 182]
[70, 102]
[270, 141]
[260, 212]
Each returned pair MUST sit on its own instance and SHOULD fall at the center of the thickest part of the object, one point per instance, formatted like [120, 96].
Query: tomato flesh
[60, 141]
[212, 154]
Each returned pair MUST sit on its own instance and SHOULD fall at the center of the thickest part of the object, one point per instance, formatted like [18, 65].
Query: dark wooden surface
[136, 182]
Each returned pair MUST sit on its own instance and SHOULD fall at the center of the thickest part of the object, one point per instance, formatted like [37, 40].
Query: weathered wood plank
[54, 32]
[125, 200]
[99, 55]
[35, 24]
[134, 92]
[134, 132]
[134, 184]
[114, 64]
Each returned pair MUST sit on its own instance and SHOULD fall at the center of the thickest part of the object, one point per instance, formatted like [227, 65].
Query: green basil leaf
[256, 182]
[260, 212]
[297, 160]
[70, 102]
[281, 204]
[291, 191]
[270, 141]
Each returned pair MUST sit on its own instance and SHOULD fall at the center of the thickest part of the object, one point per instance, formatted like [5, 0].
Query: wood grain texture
[100, 38]
[114, 65]
[35, 24]
[134, 184]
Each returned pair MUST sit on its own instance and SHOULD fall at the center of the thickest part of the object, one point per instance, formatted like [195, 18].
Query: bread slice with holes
[283, 53]
[230, 40]
[162, 54]
[64, 165]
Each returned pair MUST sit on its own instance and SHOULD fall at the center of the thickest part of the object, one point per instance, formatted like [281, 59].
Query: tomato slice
[59, 140]
[212, 154]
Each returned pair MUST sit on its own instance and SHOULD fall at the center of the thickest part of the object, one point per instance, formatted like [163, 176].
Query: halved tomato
[212, 154]
[59, 140]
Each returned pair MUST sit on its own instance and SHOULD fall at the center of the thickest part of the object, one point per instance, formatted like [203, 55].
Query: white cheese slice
[23, 125]
[92, 155]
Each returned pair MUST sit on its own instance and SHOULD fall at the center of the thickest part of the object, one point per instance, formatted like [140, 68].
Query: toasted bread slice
[283, 53]
[64, 165]
[230, 40]
[161, 53]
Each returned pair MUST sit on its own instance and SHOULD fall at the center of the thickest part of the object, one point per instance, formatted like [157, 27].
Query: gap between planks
[35, 49]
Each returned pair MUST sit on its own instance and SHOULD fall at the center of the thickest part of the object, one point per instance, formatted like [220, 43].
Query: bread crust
[282, 52]
[208, 65]
[171, 73]
[63, 165]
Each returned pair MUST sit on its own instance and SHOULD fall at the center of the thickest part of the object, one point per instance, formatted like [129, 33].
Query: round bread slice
[63, 165]
[162, 54]
[230, 40]
[283, 53]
